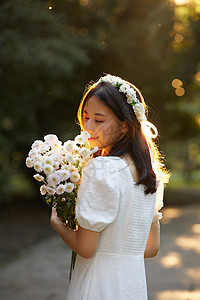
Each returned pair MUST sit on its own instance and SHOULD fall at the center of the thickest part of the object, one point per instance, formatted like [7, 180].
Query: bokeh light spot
[197, 76]
[171, 260]
[196, 228]
[180, 91]
[176, 83]
[83, 2]
[178, 38]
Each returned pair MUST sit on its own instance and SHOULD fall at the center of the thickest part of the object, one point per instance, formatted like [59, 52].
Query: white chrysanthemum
[72, 168]
[63, 174]
[38, 166]
[75, 176]
[57, 157]
[37, 144]
[43, 189]
[53, 179]
[85, 134]
[65, 167]
[44, 148]
[79, 139]
[77, 160]
[38, 177]
[37, 158]
[50, 190]
[56, 165]
[69, 145]
[48, 169]
[56, 145]
[76, 150]
[32, 153]
[93, 150]
[139, 112]
[69, 187]
[63, 150]
[69, 158]
[29, 162]
[50, 138]
[83, 164]
[47, 160]
[60, 189]
[85, 152]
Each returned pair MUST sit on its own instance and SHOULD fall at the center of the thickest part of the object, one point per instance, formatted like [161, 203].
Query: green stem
[73, 260]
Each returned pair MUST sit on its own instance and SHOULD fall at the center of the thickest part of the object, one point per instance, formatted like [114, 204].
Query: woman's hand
[55, 220]
[82, 241]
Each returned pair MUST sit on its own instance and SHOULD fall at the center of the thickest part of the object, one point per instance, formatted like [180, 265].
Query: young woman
[119, 196]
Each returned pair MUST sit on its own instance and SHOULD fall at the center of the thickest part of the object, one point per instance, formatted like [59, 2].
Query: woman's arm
[82, 241]
[153, 242]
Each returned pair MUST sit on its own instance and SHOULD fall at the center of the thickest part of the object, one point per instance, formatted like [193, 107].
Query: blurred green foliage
[51, 49]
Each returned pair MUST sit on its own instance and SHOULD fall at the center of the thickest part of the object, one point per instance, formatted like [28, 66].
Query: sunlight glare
[171, 260]
[193, 273]
[179, 295]
[171, 213]
[181, 2]
[188, 243]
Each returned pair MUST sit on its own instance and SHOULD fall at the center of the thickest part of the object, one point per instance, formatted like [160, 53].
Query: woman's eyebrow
[97, 114]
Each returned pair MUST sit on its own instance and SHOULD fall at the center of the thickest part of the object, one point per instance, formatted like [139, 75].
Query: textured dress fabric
[110, 202]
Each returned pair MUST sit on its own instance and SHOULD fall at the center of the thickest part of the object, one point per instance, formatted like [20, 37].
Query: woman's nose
[89, 126]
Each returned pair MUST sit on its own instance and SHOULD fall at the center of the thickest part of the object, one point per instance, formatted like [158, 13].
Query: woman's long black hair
[134, 142]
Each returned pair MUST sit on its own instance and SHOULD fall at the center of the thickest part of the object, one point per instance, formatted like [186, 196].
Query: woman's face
[102, 124]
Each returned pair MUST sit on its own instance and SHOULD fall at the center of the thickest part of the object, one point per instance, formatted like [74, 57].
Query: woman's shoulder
[104, 167]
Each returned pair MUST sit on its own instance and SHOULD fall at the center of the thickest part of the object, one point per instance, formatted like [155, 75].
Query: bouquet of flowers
[59, 169]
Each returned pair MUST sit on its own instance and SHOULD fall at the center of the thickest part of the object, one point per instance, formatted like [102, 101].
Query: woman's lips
[93, 138]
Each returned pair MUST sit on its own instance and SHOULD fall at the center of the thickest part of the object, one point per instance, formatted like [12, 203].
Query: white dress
[110, 202]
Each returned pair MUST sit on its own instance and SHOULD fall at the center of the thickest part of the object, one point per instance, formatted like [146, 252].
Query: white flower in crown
[139, 112]
[131, 93]
[124, 88]
[38, 177]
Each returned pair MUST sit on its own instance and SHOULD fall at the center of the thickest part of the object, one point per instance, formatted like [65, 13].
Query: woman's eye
[86, 118]
[99, 121]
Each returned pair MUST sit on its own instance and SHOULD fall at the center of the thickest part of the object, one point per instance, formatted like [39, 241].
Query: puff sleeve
[98, 194]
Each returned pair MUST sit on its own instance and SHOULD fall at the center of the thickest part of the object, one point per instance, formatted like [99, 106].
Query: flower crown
[129, 92]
